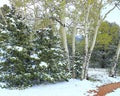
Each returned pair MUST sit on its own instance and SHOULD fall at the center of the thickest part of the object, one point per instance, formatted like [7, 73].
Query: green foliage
[105, 45]
[28, 62]
[78, 63]
[5, 9]
[50, 52]
[79, 54]
[104, 39]
[15, 43]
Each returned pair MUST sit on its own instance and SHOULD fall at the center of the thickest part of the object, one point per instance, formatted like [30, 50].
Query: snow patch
[71, 8]
[114, 93]
[13, 24]
[13, 58]
[39, 52]
[43, 64]
[60, 63]
[35, 56]
[4, 31]
[55, 49]
[9, 47]
[11, 19]
[18, 48]
[71, 88]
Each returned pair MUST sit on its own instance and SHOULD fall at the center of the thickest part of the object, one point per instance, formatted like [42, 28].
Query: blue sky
[113, 16]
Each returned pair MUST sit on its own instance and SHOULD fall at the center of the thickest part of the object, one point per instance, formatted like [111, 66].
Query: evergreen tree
[29, 61]
[17, 66]
[78, 59]
[52, 60]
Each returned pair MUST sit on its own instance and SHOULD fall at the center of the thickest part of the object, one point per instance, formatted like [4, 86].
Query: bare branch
[53, 18]
[109, 12]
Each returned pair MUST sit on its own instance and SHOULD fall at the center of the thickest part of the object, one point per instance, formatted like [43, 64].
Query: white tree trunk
[64, 36]
[92, 46]
[64, 40]
[89, 52]
[116, 57]
[73, 52]
[63, 32]
[83, 76]
[3, 16]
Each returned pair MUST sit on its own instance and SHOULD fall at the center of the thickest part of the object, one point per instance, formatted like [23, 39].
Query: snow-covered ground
[115, 93]
[72, 88]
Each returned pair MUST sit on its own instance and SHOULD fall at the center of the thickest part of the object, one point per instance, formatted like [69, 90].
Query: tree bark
[73, 52]
[115, 59]
[3, 16]
[89, 52]
[63, 34]
[84, 67]
[64, 40]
